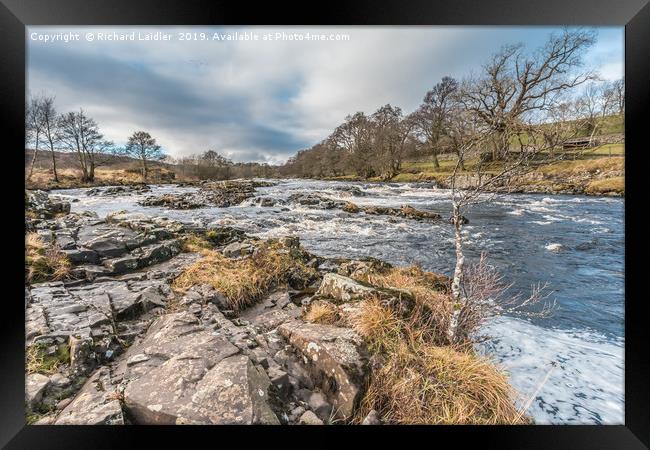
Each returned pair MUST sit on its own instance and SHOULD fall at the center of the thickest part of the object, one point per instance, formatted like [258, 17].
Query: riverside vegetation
[137, 319]
[141, 319]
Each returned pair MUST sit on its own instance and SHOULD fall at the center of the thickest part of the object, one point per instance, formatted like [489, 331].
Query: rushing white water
[573, 243]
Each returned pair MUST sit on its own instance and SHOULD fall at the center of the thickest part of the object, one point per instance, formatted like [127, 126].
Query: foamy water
[573, 243]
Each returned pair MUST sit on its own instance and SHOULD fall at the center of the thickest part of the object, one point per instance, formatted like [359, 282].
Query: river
[575, 244]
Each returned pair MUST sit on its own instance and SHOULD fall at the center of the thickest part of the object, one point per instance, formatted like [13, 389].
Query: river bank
[594, 177]
[139, 319]
[601, 176]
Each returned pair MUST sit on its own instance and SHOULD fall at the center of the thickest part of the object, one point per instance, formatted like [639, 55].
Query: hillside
[112, 169]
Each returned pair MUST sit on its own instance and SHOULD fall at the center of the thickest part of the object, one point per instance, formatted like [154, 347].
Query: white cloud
[264, 99]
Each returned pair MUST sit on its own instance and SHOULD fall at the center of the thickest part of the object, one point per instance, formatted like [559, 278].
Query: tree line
[515, 96]
[210, 165]
[78, 133]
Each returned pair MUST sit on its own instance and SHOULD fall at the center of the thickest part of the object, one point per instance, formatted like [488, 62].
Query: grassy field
[70, 178]
[595, 171]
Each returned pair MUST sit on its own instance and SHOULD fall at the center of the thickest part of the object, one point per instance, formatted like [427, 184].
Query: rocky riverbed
[573, 242]
[128, 348]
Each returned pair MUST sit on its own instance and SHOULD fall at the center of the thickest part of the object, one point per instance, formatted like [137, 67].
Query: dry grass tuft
[197, 244]
[380, 326]
[244, 281]
[433, 304]
[322, 312]
[38, 361]
[420, 383]
[417, 377]
[44, 262]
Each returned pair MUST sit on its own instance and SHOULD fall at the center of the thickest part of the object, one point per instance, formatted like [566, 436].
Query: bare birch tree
[485, 180]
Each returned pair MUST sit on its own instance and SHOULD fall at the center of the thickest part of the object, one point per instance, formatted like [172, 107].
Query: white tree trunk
[31, 168]
[457, 280]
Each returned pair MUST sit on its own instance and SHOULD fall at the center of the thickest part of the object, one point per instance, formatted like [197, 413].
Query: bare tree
[431, 117]
[50, 128]
[80, 134]
[515, 84]
[143, 147]
[34, 128]
[355, 137]
[217, 166]
[484, 185]
[391, 132]
[619, 94]
[596, 102]
[563, 124]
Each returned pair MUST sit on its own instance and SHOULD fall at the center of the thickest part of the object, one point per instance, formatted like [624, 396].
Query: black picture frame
[15, 15]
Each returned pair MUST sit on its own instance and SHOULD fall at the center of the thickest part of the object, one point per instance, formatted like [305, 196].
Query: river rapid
[575, 244]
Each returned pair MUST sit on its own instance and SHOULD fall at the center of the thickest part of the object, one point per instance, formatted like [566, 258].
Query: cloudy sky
[261, 100]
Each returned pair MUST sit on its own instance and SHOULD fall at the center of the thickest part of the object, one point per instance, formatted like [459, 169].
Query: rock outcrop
[131, 350]
[97, 403]
[337, 361]
[219, 194]
[118, 190]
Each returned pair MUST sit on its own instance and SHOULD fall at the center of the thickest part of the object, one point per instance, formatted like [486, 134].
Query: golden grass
[433, 305]
[379, 326]
[244, 281]
[197, 244]
[420, 383]
[588, 166]
[606, 185]
[322, 312]
[44, 262]
[38, 361]
[71, 178]
[417, 377]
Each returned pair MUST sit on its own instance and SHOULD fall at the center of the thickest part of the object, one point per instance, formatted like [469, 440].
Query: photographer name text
[157, 36]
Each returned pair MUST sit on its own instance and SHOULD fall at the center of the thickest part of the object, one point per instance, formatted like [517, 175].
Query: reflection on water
[574, 243]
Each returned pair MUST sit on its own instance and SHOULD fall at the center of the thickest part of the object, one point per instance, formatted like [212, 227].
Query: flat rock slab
[109, 240]
[95, 404]
[269, 313]
[172, 268]
[55, 310]
[336, 359]
[182, 373]
[144, 256]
